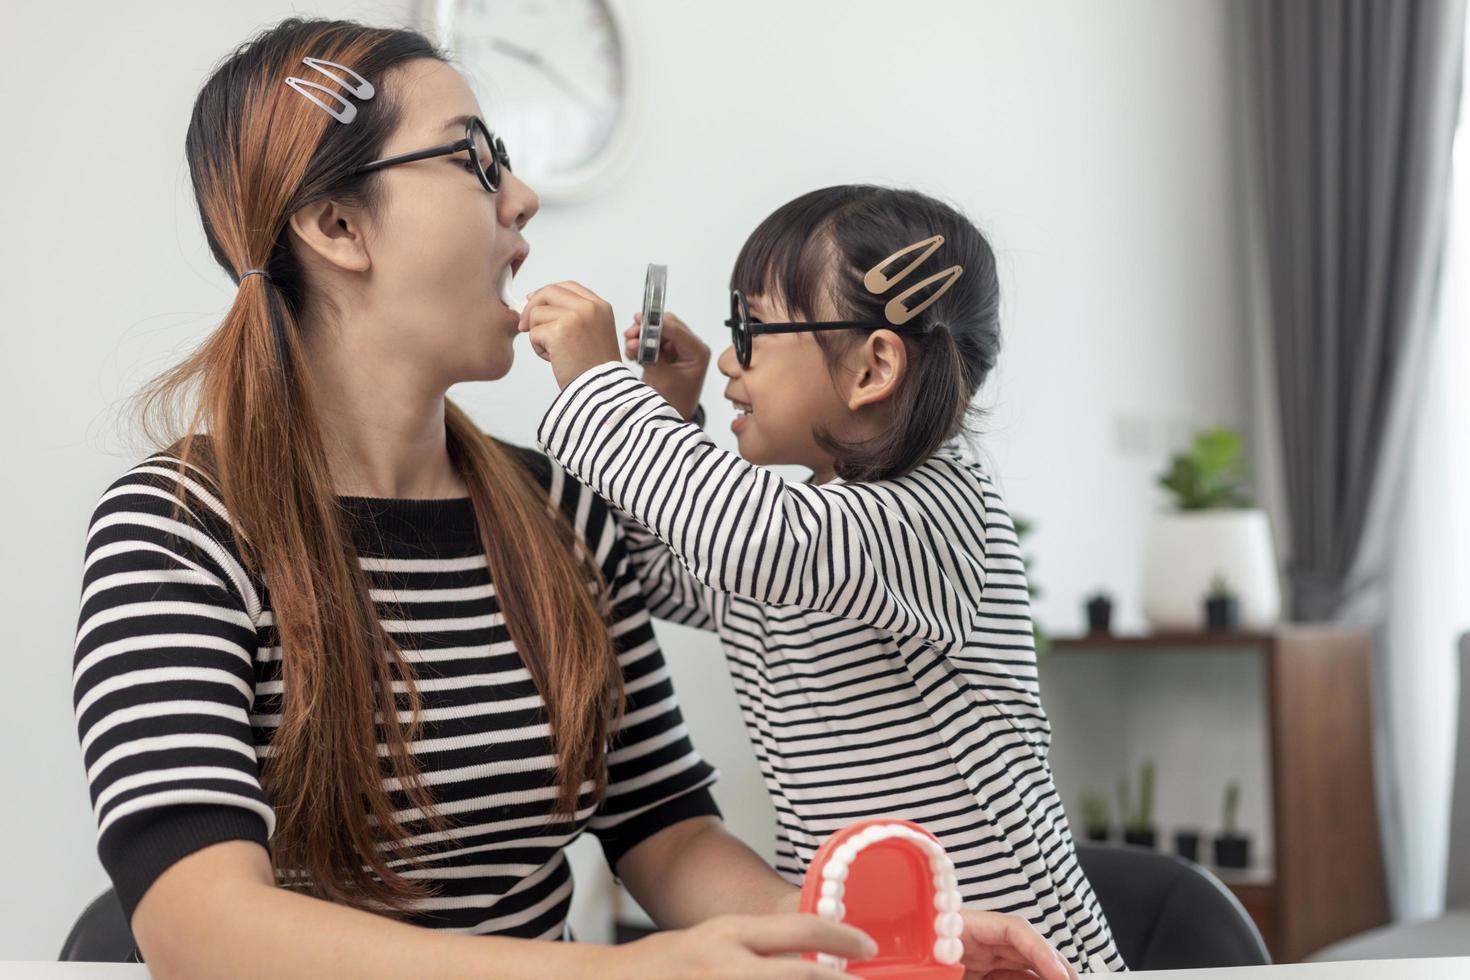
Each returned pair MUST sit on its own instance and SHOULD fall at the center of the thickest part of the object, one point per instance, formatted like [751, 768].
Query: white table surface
[1457, 968]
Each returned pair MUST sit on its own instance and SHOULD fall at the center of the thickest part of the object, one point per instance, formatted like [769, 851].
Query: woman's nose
[517, 202]
[728, 363]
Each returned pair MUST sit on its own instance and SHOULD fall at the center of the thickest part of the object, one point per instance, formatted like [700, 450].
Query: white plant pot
[1188, 549]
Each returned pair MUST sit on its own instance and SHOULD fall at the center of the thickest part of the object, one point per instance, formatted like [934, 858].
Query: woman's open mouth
[505, 282]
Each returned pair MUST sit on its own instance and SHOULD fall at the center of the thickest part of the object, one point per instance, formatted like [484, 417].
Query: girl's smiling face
[786, 395]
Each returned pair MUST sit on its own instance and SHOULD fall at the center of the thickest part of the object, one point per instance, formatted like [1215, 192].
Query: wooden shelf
[1102, 642]
[1327, 882]
[1256, 877]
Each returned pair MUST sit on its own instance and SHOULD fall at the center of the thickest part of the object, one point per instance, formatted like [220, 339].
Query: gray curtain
[1352, 116]
[1351, 108]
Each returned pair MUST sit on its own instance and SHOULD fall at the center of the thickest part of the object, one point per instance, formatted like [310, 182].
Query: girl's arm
[878, 553]
[672, 592]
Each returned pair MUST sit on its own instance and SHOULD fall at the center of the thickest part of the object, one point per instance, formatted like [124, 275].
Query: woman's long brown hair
[257, 152]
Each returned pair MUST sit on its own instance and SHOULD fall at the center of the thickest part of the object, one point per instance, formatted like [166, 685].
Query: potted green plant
[1138, 815]
[1099, 613]
[1096, 821]
[1212, 529]
[1222, 607]
[1232, 848]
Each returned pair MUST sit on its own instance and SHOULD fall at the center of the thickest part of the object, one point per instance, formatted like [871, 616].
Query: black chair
[101, 934]
[1168, 913]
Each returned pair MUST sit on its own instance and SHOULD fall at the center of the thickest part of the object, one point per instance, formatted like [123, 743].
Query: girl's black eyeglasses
[485, 149]
[743, 327]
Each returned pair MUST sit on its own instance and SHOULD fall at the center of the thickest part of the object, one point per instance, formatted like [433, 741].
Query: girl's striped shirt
[177, 682]
[878, 636]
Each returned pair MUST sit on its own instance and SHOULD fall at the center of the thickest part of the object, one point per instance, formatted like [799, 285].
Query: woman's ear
[877, 367]
[333, 234]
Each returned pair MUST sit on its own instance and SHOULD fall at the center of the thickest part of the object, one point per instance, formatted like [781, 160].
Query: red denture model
[891, 879]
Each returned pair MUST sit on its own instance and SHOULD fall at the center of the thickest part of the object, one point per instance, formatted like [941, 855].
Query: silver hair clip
[363, 89]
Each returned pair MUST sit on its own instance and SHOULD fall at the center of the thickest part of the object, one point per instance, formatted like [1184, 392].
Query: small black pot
[1100, 834]
[1100, 615]
[1222, 614]
[1141, 838]
[1233, 851]
[1186, 844]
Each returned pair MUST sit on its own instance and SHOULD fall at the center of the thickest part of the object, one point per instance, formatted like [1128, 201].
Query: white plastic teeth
[948, 926]
[503, 286]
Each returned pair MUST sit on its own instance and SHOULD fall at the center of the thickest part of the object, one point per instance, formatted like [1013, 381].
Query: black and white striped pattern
[178, 691]
[879, 637]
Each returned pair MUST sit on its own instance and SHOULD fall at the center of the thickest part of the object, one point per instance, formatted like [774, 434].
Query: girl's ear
[333, 234]
[877, 368]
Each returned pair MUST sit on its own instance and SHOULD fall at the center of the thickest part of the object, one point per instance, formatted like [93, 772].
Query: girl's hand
[745, 946]
[683, 360]
[570, 326]
[1006, 946]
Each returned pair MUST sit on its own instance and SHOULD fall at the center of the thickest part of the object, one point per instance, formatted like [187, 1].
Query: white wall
[1090, 140]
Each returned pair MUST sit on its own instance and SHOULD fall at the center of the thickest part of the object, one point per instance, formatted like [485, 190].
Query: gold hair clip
[877, 283]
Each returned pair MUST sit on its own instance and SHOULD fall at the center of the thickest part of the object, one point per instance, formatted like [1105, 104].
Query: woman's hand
[1005, 946]
[571, 327]
[683, 360]
[744, 946]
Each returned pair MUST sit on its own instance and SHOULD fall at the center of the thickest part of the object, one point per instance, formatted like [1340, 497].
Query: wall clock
[557, 80]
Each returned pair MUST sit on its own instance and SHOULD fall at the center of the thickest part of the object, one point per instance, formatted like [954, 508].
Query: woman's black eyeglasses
[743, 327]
[485, 149]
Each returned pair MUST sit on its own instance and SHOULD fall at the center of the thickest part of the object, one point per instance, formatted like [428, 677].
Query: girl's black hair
[818, 247]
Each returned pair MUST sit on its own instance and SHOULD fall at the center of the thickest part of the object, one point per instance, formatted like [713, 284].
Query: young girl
[875, 618]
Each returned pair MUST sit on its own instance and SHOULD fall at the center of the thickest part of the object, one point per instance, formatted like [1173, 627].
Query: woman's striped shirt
[878, 635]
[177, 683]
